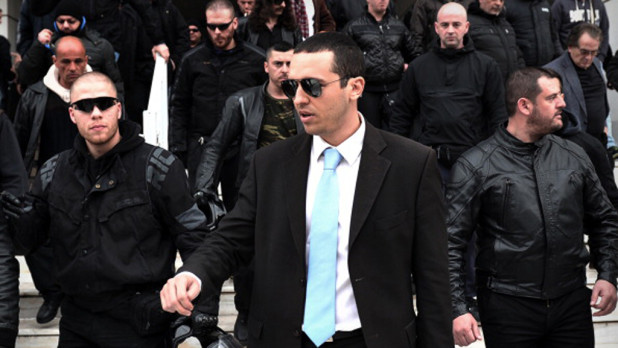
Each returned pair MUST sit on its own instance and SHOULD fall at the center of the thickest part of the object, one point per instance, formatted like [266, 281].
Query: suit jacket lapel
[572, 80]
[296, 170]
[371, 174]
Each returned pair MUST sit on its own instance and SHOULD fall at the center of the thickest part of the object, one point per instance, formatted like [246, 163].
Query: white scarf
[51, 81]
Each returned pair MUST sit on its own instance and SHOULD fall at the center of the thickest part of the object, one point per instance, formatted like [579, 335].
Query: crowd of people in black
[100, 215]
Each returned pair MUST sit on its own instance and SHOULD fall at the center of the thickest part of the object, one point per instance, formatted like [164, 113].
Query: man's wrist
[199, 281]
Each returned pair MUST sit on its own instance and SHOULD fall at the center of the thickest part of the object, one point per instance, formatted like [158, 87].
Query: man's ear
[524, 106]
[357, 84]
[71, 112]
[54, 59]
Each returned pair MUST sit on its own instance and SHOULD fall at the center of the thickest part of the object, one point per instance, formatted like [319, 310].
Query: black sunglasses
[311, 86]
[87, 105]
[278, 2]
[221, 27]
[191, 30]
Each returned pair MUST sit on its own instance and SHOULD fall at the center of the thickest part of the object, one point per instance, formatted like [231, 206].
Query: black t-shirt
[57, 130]
[268, 38]
[595, 97]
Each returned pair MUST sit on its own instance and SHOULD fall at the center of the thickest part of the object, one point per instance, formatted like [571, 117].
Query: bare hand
[177, 294]
[466, 330]
[607, 292]
[44, 36]
[162, 50]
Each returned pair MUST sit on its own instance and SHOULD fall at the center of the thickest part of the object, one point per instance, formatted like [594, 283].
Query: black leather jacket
[13, 180]
[530, 205]
[204, 81]
[494, 36]
[386, 45]
[116, 229]
[242, 118]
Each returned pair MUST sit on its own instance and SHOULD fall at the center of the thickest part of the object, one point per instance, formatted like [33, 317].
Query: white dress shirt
[346, 313]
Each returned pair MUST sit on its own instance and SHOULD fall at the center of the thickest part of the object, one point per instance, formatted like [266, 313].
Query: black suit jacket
[397, 230]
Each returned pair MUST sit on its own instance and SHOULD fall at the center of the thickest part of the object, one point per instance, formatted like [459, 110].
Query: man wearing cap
[69, 20]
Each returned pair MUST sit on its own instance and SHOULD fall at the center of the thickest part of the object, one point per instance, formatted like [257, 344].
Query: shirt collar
[349, 149]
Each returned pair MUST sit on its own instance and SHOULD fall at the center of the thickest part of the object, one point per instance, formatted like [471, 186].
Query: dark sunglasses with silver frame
[87, 105]
[311, 86]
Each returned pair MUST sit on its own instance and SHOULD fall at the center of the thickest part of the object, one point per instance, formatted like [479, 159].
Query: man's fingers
[172, 296]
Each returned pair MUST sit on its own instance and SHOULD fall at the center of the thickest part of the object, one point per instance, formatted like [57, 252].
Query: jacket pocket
[392, 221]
[410, 330]
[255, 327]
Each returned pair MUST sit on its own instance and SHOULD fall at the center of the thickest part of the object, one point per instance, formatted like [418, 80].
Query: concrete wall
[10, 16]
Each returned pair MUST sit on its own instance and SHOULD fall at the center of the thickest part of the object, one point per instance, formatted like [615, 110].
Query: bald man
[43, 126]
[454, 96]
[116, 210]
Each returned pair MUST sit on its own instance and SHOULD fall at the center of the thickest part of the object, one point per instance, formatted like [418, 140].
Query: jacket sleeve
[25, 30]
[408, 49]
[231, 245]
[34, 64]
[430, 264]
[612, 71]
[110, 66]
[601, 221]
[13, 180]
[150, 20]
[604, 25]
[418, 25]
[180, 113]
[12, 172]
[326, 22]
[229, 129]
[405, 109]
[463, 202]
[494, 107]
[23, 120]
[556, 16]
[175, 205]
[181, 44]
[32, 228]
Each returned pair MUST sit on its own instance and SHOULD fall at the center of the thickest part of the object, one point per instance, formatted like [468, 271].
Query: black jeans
[519, 322]
[80, 328]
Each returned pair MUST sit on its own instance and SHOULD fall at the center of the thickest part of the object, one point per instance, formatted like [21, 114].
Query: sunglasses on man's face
[221, 27]
[193, 30]
[87, 105]
[278, 2]
[311, 86]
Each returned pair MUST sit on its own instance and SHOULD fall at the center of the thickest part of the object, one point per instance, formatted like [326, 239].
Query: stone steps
[33, 335]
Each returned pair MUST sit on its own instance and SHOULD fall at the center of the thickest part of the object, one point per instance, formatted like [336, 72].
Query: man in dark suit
[389, 225]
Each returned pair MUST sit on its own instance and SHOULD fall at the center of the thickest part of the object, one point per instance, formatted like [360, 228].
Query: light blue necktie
[319, 320]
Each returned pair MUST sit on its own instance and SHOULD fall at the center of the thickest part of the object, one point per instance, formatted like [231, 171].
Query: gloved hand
[12, 206]
[209, 203]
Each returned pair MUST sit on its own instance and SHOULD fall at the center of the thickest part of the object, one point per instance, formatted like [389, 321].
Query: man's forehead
[281, 56]
[89, 88]
[586, 39]
[311, 63]
[220, 13]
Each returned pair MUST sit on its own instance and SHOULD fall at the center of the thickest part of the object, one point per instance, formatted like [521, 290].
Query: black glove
[210, 204]
[12, 206]
[199, 325]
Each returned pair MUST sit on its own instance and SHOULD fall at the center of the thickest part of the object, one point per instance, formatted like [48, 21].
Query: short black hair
[581, 29]
[524, 83]
[279, 47]
[348, 58]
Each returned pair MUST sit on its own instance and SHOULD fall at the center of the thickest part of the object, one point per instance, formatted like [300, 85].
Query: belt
[342, 335]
